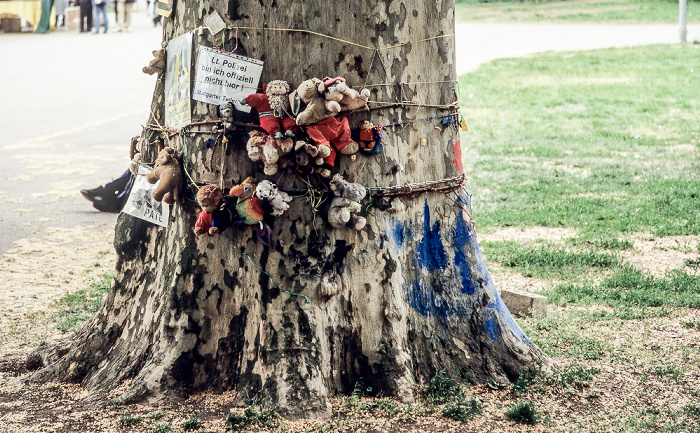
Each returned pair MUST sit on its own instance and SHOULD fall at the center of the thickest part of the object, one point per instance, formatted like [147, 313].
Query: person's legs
[121, 14]
[112, 196]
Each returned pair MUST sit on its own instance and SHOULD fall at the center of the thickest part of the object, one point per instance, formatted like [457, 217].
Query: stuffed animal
[344, 208]
[334, 134]
[277, 126]
[248, 207]
[226, 111]
[317, 108]
[366, 135]
[261, 147]
[216, 214]
[278, 97]
[157, 65]
[167, 169]
[276, 199]
[336, 89]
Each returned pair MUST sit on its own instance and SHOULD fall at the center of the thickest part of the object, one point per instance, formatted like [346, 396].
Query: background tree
[392, 304]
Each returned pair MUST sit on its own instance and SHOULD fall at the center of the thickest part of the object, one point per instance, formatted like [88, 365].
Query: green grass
[523, 413]
[628, 287]
[76, 308]
[548, 261]
[601, 141]
[610, 11]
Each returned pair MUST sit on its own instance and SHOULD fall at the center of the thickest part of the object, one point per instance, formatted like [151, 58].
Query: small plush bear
[226, 111]
[366, 135]
[167, 169]
[336, 89]
[317, 107]
[277, 200]
[157, 65]
[344, 208]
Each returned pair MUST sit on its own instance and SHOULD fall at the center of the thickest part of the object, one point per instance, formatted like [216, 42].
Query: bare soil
[654, 366]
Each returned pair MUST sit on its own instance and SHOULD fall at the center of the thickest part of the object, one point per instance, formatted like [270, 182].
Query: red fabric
[333, 132]
[204, 221]
[270, 123]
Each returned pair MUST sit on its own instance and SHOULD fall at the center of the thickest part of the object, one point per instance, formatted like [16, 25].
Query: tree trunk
[391, 304]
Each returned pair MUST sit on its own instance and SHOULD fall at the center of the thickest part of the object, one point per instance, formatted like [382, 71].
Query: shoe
[105, 205]
[92, 194]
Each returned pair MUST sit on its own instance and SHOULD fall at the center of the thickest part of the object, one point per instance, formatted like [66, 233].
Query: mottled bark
[392, 304]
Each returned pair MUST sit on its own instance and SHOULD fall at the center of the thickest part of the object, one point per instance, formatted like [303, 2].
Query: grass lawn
[613, 11]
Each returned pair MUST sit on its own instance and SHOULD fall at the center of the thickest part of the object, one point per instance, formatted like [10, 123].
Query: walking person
[85, 15]
[99, 6]
[124, 14]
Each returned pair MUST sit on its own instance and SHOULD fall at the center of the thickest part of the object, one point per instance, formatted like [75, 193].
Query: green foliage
[76, 308]
[192, 424]
[128, 420]
[257, 413]
[602, 243]
[462, 409]
[545, 261]
[691, 325]
[360, 389]
[523, 413]
[443, 389]
[628, 287]
[564, 140]
[619, 11]
[576, 376]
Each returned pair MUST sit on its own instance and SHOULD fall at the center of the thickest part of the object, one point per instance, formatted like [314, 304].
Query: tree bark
[392, 304]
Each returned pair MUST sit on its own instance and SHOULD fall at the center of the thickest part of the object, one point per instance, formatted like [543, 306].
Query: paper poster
[224, 77]
[177, 81]
[141, 204]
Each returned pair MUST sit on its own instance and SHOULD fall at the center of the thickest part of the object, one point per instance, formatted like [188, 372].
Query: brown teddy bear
[317, 107]
[167, 169]
[157, 65]
[349, 99]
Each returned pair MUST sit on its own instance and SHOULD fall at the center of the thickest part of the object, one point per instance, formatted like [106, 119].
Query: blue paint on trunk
[398, 233]
[461, 240]
[430, 251]
[493, 329]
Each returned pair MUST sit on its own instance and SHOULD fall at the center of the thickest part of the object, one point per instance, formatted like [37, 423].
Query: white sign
[141, 204]
[224, 77]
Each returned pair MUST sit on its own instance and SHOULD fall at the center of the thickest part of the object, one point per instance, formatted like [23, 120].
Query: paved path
[70, 102]
[481, 42]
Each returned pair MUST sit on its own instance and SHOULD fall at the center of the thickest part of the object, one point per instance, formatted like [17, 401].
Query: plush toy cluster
[302, 130]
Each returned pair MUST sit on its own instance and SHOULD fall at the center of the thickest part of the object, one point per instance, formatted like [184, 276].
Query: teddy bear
[167, 170]
[276, 122]
[216, 214]
[261, 147]
[366, 135]
[316, 108]
[157, 64]
[275, 199]
[226, 111]
[336, 89]
[344, 208]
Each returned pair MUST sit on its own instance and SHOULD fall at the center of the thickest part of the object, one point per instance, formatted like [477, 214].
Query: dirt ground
[629, 386]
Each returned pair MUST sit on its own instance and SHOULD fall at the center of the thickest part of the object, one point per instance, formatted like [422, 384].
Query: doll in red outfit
[275, 122]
